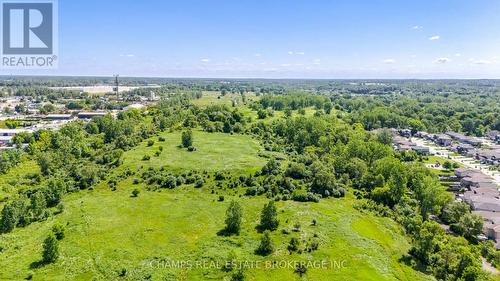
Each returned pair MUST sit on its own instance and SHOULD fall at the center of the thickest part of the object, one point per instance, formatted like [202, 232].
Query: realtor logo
[29, 34]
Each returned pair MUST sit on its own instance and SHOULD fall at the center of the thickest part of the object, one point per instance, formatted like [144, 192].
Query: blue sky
[280, 39]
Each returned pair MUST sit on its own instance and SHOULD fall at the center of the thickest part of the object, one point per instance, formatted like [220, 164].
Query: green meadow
[111, 235]
[214, 152]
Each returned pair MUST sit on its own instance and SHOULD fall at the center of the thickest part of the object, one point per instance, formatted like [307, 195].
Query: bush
[187, 138]
[191, 148]
[135, 192]
[301, 269]
[219, 176]
[50, 249]
[146, 157]
[199, 183]
[151, 142]
[297, 171]
[309, 197]
[238, 276]
[294, 245]
[313, 246]
[221, 198]
[161, 139]
[59, 231]
[266, 245]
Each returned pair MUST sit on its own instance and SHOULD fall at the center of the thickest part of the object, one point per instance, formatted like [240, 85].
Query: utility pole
[115, 89]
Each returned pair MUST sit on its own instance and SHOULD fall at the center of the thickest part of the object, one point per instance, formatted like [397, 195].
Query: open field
[214, 151]
[109, 231]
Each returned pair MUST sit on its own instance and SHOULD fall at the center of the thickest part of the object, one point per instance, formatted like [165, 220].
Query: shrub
[297, 171]
[266, 245]
[219, 176]
[135, 192]
[301, 269]
[294, 245]
[191, 148]
[59, 231]
[187, 138]
[146, 157]
[161, 139]
[151, 142]
[169, 182]
[199, 183]
[309, 197]
[221, 198]
[50, 249]
[238, 276]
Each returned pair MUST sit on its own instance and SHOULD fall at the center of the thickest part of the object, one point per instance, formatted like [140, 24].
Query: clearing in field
[214, 152]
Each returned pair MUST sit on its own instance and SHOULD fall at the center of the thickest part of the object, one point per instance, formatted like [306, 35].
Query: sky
[279, 39]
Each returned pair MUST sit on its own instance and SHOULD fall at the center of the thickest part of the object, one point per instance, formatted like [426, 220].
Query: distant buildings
[465, 139]
[402, 144]
[91, 115]
[6, 136]
[59, 117]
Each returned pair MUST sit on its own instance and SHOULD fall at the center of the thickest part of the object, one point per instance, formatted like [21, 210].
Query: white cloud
[417, 27]
[389, 61]
[291, 53]
[473, 61]
[128, 55]
[442, 60]
[435, 37]
[258, 55]
[205, 60]
[286, 64]
[458, 55]
[317, 62]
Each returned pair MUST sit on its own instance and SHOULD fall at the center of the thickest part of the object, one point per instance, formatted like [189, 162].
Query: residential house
[443, 140]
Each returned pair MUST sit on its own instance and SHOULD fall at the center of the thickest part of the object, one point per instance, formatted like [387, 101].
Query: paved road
[465, 161]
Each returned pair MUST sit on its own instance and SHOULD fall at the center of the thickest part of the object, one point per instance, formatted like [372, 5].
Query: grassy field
[113, 236]
[109, 231]
[213, 98]
[214, 152]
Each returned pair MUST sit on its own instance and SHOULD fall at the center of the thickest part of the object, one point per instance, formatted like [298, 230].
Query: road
[465, 161]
